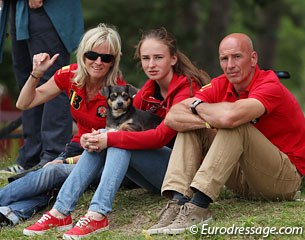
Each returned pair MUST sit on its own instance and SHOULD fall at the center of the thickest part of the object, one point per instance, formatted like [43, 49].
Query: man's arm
[218, 115]
[181, 118]
[231, 114]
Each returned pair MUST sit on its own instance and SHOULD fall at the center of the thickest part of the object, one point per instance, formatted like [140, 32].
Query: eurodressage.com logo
[265, 232]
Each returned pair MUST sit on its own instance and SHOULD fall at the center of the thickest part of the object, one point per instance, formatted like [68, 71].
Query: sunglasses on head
[106, 58]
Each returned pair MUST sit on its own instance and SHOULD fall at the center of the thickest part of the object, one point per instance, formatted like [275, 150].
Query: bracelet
[69, 160]
[33, 76]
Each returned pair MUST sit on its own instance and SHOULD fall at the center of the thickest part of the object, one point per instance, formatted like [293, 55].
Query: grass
[136, 210]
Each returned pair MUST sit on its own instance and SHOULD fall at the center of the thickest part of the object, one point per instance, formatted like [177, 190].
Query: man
[258, 150]
[42, 26]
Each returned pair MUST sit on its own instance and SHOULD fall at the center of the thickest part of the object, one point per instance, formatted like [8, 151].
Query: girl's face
[156, 60]
[98, 69]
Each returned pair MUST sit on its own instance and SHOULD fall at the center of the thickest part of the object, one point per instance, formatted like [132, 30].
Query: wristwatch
[194, 105]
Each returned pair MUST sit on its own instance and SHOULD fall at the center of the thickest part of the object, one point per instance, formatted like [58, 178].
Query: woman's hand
[84, 138]
[41, 63]
[56, 161]
[94, 141]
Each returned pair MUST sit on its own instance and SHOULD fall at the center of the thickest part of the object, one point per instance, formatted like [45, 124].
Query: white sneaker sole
[71, 237]
[154, 231]
[33, 233]
[182, 230]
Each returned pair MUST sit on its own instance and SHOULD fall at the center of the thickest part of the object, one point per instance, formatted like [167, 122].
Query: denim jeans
[145, 167]
[23, 197]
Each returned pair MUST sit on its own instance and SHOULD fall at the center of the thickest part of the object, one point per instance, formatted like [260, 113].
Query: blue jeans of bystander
[23, 197]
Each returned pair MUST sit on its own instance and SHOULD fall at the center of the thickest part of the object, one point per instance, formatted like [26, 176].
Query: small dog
[122, 115]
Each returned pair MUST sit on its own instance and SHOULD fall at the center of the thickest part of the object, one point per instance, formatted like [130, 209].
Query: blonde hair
[92, 38]
[184, 66]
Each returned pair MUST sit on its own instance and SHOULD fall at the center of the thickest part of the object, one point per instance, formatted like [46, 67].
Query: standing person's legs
[22, 67]
[56, 122]
[45, 133]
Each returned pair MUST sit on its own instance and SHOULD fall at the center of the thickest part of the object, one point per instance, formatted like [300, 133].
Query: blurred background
[277, 28]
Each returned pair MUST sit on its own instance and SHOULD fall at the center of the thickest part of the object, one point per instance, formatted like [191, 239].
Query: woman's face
[97, 69]
[156, 60]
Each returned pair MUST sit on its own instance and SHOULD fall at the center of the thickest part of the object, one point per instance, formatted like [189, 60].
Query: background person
[258, 151]
[38, 26]
[98, 57]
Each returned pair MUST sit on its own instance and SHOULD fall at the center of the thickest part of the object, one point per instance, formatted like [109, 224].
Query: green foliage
[194, 24]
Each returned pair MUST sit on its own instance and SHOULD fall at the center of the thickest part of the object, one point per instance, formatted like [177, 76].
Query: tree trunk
[210, 35]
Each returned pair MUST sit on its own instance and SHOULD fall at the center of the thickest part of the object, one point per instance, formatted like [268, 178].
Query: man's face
[237, 60]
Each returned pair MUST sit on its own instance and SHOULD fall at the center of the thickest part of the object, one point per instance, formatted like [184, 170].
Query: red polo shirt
[87, 115]
[283, 123]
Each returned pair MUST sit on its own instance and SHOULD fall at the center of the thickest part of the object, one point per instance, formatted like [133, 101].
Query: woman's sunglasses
[106, 58]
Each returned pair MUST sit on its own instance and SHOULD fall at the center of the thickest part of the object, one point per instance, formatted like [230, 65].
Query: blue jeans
[145, 167]
[23, 197]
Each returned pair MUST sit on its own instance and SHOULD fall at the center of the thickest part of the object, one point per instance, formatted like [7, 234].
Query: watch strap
[194, 105]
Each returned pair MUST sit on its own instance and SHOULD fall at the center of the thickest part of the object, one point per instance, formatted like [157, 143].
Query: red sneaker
[85, 227]
[46, 222]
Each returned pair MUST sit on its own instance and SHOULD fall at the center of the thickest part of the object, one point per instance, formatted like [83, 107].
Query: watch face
[196, 102]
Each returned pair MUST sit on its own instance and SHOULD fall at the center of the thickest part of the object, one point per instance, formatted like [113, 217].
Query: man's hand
[181, 118]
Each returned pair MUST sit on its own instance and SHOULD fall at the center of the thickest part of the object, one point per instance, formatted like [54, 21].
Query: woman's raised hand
[42, 62]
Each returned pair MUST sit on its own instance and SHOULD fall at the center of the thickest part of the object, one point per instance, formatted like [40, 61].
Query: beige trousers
[241, 158]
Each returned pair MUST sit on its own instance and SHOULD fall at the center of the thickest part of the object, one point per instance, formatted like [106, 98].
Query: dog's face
[119, 98]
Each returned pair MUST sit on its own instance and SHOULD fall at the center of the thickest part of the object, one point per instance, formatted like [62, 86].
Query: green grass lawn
[136, 210]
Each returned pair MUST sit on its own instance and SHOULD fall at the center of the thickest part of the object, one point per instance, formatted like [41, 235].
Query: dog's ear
[131, 90]
[105, 91]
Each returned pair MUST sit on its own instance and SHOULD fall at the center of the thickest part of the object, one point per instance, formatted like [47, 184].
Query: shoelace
[164, 213]
[44, 218]
[184, 212]
[83, 221]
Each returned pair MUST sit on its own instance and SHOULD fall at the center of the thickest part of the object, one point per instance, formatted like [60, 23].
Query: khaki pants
[241, 158]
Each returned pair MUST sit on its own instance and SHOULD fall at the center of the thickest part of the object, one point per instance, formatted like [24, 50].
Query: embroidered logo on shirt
[75, 100]
[101, 111]
[205, 87]
[64, 69]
